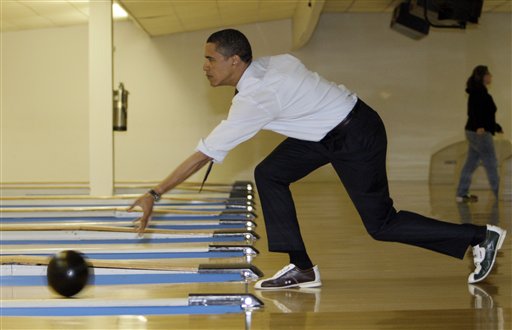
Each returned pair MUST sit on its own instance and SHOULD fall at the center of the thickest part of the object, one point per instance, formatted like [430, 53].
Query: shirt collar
[245, 78]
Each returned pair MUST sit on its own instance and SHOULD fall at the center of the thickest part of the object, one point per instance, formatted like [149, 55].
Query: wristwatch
[156, 196]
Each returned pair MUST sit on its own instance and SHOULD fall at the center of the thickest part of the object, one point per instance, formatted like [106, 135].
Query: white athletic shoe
[484, 254]
[291, 277]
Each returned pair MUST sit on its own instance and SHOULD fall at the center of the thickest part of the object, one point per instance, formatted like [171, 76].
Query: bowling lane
[194, 251]
[124, 200]
[184, 190]
[138, 299]
[39, 300]
[108, 211]
[139, 251]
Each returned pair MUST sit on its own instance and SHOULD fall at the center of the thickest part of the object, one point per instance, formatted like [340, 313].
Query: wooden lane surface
[379, 285]
[118, 212]
[128, 223]
[120, 201]
[91, 209]
[131, 196]
[188, 187]
[15, 232]
[367, 284]
[58, 214]
[128, 184]
[81, 227]
[123, 197]
[132, 187]
[446, 319]
[53, 248]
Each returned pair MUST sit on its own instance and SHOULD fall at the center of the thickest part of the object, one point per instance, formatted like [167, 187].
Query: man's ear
[236, 59]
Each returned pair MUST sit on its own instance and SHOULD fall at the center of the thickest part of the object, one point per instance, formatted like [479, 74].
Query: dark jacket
[481, 110]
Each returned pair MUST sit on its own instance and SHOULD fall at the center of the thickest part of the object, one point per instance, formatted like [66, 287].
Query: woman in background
[480, 128]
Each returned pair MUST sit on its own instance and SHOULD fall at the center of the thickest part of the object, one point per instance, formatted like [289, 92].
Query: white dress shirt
[280, 94]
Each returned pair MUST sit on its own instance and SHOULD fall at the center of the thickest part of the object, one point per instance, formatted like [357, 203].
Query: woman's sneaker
[484, 254]
[291, 277]
[466, 199]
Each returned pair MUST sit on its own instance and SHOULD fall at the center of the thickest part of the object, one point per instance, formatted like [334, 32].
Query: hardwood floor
[367, 284]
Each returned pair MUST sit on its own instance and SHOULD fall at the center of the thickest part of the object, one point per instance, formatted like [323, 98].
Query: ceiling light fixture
[118, 11]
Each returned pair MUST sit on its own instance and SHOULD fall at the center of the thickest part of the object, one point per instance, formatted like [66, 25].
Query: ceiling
[160, 17]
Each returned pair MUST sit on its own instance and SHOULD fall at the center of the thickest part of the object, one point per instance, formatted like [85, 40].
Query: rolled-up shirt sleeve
[244, 120]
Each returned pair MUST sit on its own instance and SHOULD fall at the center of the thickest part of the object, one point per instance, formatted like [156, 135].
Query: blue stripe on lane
[124, 279]
[120, 310]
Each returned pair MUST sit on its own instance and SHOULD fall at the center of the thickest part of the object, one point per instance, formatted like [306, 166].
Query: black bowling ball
[68, 273]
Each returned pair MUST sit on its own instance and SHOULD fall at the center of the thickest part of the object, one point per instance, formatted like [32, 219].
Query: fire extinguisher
[120, 109]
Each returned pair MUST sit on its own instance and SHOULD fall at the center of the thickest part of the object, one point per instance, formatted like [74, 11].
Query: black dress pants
[356, 148]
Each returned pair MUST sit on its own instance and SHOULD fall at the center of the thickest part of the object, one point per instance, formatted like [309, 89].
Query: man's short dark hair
[231, 42]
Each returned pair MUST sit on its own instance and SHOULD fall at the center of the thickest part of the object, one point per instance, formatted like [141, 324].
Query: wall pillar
[101, 159]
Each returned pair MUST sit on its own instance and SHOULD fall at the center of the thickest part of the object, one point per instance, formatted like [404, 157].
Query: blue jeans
[481, 149]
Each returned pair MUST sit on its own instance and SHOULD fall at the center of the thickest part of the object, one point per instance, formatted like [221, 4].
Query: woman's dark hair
[476, 80]
[232, 42]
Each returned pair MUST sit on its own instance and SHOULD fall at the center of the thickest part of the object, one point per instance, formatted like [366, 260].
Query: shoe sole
[293, 286]
[460, 201]
[498, 246]
[465, 199]
[501, 240]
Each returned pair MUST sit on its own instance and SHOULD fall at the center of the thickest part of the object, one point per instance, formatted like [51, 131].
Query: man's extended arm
[186, 169]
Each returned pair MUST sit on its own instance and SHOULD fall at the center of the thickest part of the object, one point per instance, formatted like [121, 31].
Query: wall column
[101, 159]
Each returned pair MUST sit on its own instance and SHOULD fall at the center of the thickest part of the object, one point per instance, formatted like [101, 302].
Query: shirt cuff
[216, 155]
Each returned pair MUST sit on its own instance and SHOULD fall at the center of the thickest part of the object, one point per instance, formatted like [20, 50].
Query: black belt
[344, 122]
[350, 115]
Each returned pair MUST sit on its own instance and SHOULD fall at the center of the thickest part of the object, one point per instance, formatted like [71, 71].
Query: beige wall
[44, 102]
[416, 86]
[171, 104]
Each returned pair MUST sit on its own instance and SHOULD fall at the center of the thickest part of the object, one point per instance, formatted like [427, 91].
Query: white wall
[44, 101]
[416, 86]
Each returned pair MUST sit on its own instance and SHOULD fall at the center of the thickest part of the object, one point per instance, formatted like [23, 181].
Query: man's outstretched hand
[145, 202]
[188, 167]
